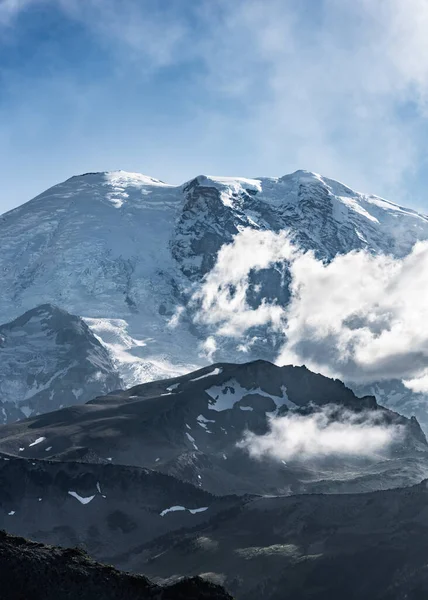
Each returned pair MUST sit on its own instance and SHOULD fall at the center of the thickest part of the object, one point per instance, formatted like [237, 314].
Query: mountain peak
[119, 178]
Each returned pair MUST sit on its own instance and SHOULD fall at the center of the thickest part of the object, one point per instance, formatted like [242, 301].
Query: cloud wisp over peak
[326, 433]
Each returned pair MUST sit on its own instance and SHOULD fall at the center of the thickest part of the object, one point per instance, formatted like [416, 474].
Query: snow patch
[172, 387]
[191, 439]
[228, 394]
[38, 441]
[171, 509]
[202, 421]
[197, 510]
[217, 371]
[81, 499]
[193, 511]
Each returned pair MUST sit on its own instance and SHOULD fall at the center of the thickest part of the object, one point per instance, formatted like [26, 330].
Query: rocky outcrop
[50, 359]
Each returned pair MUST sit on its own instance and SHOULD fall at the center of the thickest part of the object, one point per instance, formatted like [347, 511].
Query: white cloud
[329, 432]
[222, 299]
[360, 318]
[9, 9]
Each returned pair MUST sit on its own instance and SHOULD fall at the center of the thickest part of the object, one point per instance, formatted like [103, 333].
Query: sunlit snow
[193, 511]
[225, 396]
[216, 371]
[38, 441]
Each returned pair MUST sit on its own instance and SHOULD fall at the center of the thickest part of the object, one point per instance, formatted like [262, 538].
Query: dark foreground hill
[32, 571]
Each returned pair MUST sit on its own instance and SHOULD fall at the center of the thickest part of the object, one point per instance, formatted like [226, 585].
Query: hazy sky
[175, 88]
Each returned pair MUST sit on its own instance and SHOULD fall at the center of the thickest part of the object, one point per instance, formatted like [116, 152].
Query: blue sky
[175, 88]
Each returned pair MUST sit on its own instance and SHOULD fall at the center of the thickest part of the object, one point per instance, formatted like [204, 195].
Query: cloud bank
[361, 318]
[330, 432]
[271, 86]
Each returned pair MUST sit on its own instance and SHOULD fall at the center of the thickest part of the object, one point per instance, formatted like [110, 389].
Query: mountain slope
[310, 547]
[323, 215]
[49, 359]
[190, 427]
[103, 507]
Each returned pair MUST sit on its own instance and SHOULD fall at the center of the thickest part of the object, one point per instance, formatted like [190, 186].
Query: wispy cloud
[327, 83]
[140, 32]
[9, 9]
[336, 87]
[143, 32]
[329, 432]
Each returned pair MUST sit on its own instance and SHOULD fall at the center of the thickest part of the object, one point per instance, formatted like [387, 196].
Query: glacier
[126, 253]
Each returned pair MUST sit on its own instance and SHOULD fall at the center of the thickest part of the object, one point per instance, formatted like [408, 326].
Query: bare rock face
[191, 427]
[50, 359]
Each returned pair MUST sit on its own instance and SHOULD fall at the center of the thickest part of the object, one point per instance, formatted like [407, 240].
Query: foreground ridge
[32, 570]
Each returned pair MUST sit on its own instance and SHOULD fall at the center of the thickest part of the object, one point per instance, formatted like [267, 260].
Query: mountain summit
[98, 243]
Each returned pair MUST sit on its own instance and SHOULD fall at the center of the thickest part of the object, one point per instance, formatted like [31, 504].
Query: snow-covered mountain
[125, 251]
[100, 244]
[49, 359]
